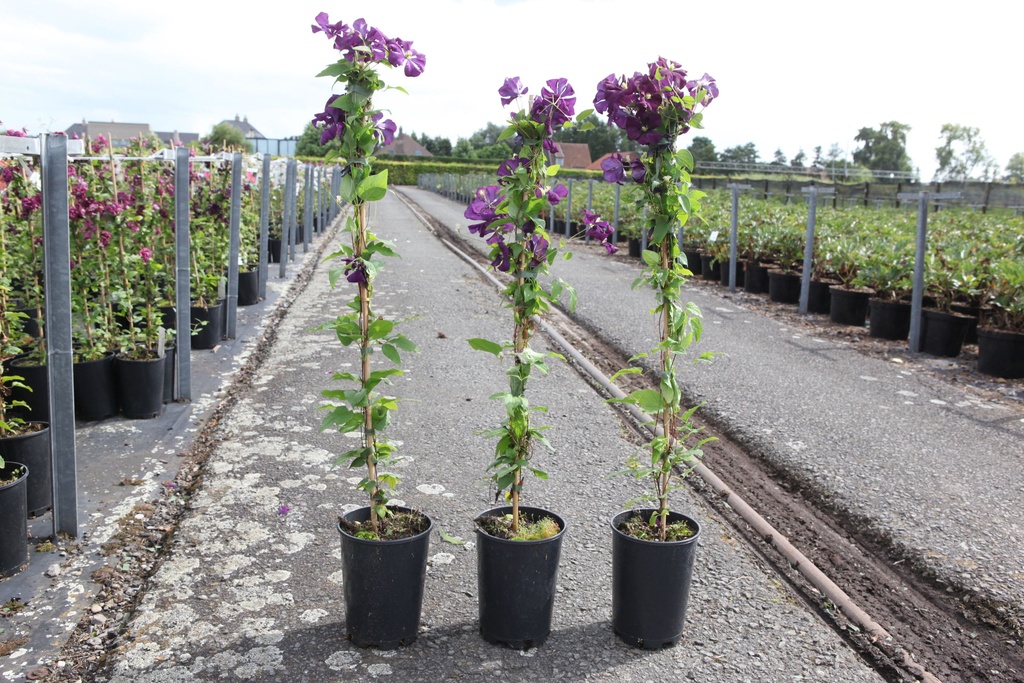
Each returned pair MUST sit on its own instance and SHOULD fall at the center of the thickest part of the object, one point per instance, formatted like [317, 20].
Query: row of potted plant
[384, 548]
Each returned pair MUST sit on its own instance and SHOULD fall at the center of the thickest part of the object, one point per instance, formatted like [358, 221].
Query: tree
[1015, 169]
[798, 160]
[884, 149]
[779, 159]
[226, 136]
[498, 150]
[962, 154]
[740, 154]
[486, 136]
[438, 146]
[702, 149]
[463, 150]
[818, 161]
[602, 138]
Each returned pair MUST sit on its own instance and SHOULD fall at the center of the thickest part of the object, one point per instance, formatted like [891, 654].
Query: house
[174, 138]
[119, 134]
[404, 145]
[572, 154]
[248, 130]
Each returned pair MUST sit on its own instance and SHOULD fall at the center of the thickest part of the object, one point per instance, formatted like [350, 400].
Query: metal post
[57, 258]
[307, 208]
[917, 296]
[286, 219]
[234, 244]
[812, 216]
[734, 232]
[590, 204]
[264, 224]
[182, 281]
[293, 195]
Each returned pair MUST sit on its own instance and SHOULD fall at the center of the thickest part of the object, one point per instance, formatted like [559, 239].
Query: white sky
[792, 74]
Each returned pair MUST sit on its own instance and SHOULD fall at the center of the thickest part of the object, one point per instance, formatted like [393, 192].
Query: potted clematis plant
[383, 547]
[518, 547]
[653, 548]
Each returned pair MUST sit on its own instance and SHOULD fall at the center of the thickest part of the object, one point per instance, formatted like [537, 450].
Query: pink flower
[146, 253]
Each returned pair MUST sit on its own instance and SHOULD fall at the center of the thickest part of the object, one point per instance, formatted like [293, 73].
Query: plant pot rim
[387, 542]
[10, 464]
[998, 332]
[852, 290]
[536, 511]
[951, 314]
[39, 430]
[679, 516]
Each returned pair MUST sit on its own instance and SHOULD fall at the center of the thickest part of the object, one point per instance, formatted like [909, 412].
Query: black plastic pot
[634, 247]
[95, 389]
[1001, 353]
[651, 584]
[849, 306]
[975, 312]
[140, 387]
[693, 263]
[739, 273]
[38, 399]
[516, 582]
[755, 278]
[783, 287]
[33, 451]
[819, 297]
[248, 287]
[383, 584]
[944, 333]
[208, 325]
[274, 249]
[709, 268]
[888, 319]
[13, 520]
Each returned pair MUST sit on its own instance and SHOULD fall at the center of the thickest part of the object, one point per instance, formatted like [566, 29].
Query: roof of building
[119, 133]
[242, 124]
[573, 154]
[176, 136]
[404, 144]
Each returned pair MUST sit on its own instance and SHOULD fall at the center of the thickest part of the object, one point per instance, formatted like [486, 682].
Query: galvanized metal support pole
[643, 234]
[234, 244]
[293, 195]
[264, 224]
[286, 218]
[734, 232]
[812, 216]
[182, 280]
[307, 208]
[590, 204]
[57, 260]
[917, 296]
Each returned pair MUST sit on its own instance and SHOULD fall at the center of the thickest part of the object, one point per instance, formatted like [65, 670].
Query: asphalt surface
[250, 587]
[930, 468]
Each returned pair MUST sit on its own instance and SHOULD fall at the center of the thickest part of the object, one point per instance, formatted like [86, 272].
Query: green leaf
[507, 133]
[648, 400]
[552, 170]
[448, 538]
[486, 345]
[651, 258]
[391, 353]
[374, 187]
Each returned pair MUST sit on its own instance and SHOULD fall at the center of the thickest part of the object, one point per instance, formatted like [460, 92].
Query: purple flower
[598, 229]
[609, 93]
[557, 193]
[538, 246]
[555, 105]
[502, 261]
[613, 170]
[385, 129]
[510, 166]
[146, 253]
[511, 90]
[707, 83]
[355, 271]
[400, 52]
[330, 30]
[351, 44]
[637, 170]
[483, 209]
[331, 121]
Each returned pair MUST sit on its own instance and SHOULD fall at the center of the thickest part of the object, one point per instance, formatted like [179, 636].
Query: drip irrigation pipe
[794, 557]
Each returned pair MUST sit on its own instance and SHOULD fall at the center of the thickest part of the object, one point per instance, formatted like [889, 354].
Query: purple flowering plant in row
[509, 215]
[351, 118]
[655, 108]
